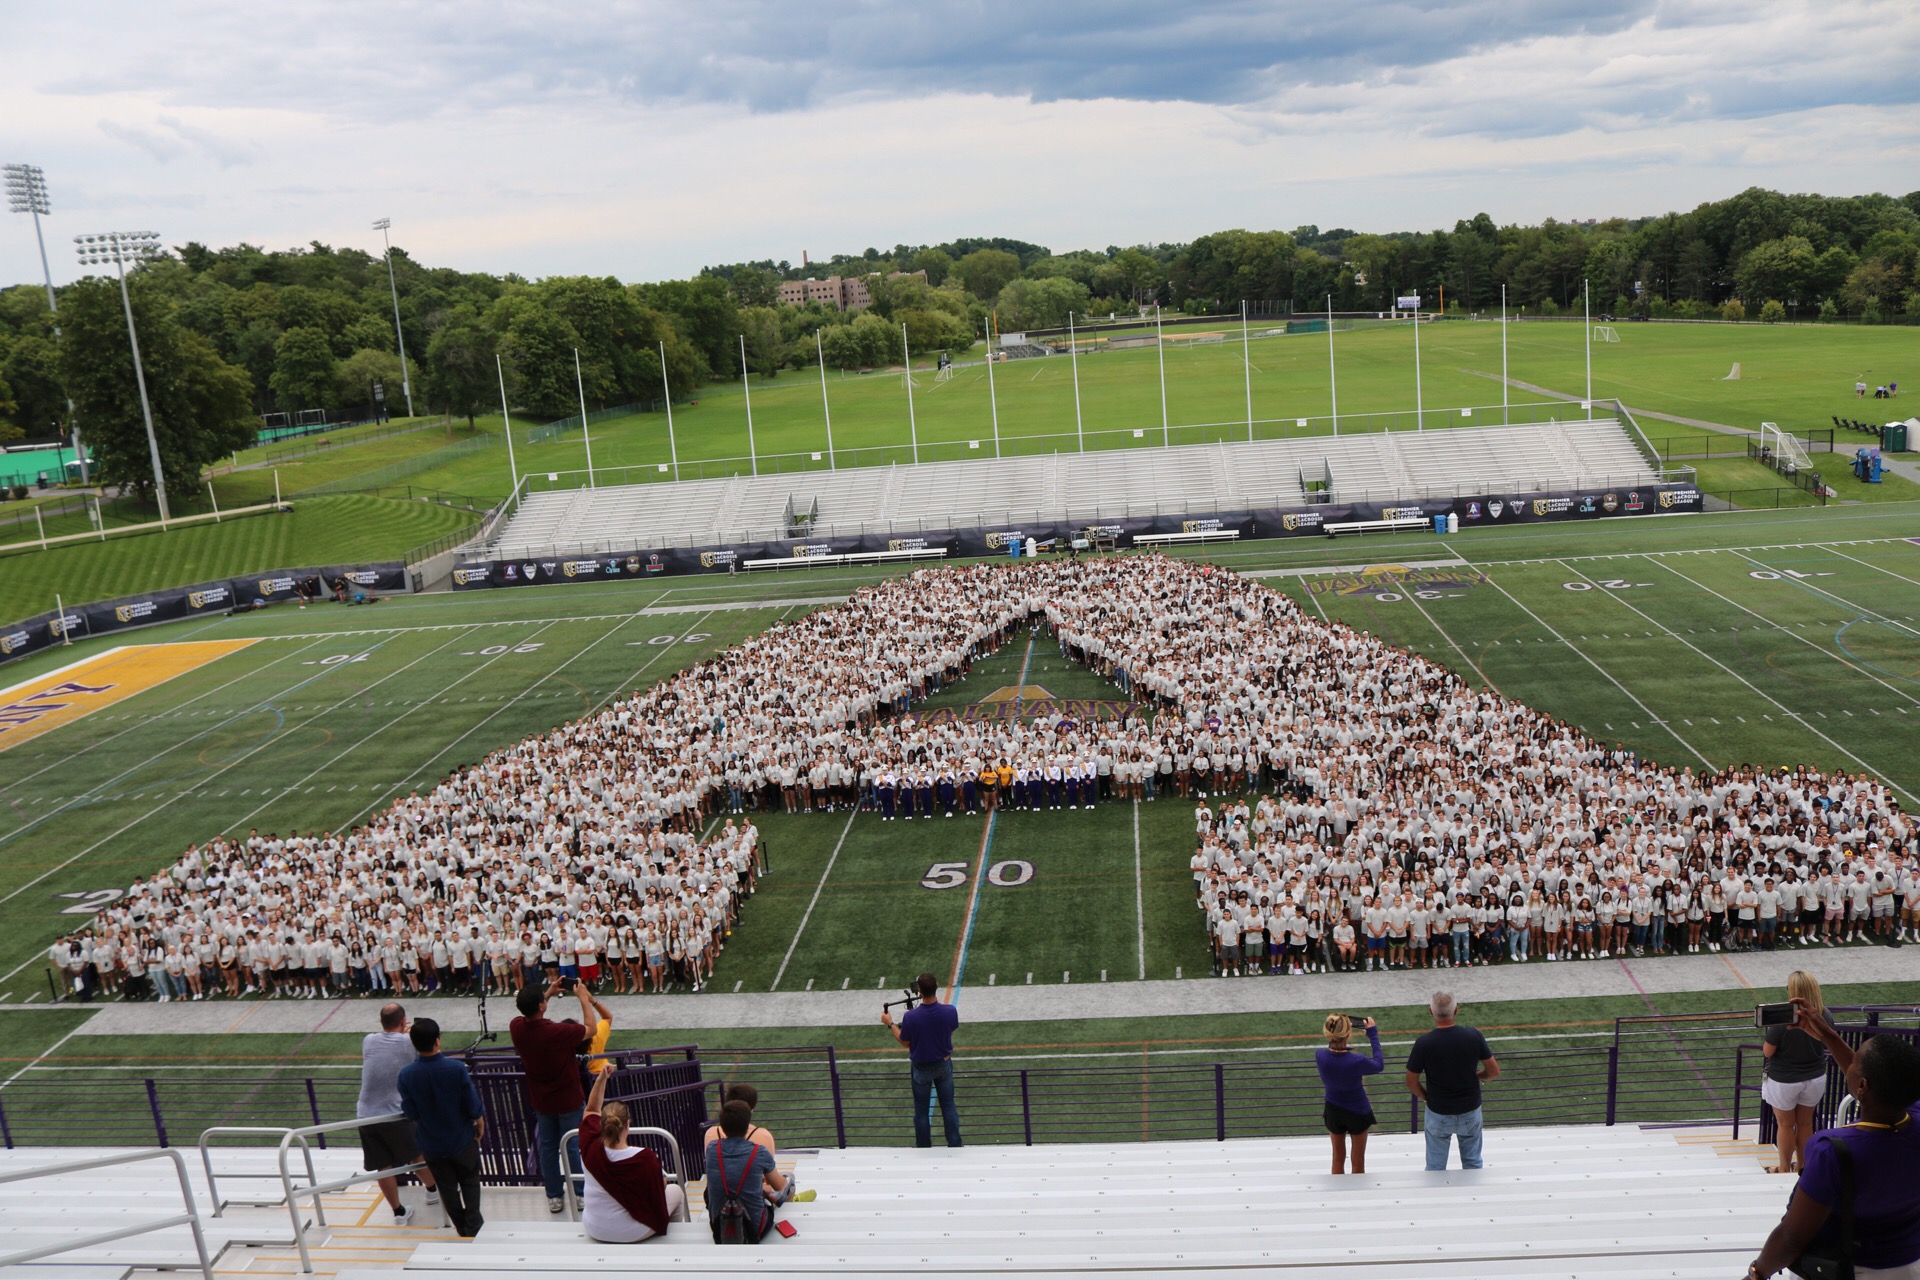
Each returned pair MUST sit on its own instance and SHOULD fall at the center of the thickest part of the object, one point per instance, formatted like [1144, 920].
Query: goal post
[1784, 446]
[1605, 333]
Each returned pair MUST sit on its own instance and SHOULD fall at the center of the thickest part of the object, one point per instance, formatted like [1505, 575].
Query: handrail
[317, 1189]
[191, 1218]
[679, 1171]
[206, 1162]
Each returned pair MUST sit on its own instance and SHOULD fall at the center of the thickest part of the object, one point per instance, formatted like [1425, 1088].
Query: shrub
[1772, 312]
[1733, 309]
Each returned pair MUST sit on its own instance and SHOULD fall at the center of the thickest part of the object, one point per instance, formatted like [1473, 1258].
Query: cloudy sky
[644, 139]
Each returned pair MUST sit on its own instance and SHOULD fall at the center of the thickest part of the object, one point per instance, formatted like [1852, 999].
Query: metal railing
[677, 1170]
[190, 1218]
[232, 1131]
[316, 1189]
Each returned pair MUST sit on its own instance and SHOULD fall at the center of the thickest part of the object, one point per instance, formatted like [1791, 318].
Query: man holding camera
[926, 1031]
[547, 1051]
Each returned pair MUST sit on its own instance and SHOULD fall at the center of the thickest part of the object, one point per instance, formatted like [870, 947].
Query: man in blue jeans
[927, 1033]
[1456, 1061]
[547, 1053]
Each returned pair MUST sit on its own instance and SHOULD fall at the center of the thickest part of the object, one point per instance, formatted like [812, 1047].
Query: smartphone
[785, 1228]
[1773, 1015]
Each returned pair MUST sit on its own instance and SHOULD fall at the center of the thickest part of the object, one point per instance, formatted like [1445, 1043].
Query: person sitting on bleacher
[739, 1091]
[627, 1197]
[740, 1168]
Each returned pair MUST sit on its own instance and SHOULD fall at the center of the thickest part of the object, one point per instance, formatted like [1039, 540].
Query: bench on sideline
[847, 557]
[1170, 539]
[1402, 524]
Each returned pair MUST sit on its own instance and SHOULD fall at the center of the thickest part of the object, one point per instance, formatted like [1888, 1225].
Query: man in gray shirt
[388, 1146]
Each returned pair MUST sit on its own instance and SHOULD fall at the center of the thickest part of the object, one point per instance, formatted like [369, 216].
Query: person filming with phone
[553, 1076]
[1348, 1112]
[927, 1033]
[1857, 1204]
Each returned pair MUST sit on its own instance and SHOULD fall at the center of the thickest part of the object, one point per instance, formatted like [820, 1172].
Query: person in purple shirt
[1884, 1148]
[1348, 1111]
[927, 1033]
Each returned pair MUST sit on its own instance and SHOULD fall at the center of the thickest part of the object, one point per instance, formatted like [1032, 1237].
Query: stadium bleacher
[1090, 486]
[1563, 1202]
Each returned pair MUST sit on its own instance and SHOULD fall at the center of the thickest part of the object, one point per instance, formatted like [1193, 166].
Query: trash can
[1893, 438]
[1439, 524]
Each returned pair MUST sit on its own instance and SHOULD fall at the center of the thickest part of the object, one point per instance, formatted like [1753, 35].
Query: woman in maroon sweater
[628, 1198]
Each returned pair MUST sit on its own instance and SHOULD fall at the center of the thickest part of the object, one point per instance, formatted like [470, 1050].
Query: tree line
[231, 334]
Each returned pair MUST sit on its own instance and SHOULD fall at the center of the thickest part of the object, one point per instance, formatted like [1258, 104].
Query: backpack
[730, 1225]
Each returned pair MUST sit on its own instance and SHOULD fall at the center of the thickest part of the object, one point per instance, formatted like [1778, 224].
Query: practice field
[1705, 641]
[1797, 376]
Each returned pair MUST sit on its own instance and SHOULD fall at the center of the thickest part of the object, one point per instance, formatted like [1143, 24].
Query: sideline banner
[1477, 511]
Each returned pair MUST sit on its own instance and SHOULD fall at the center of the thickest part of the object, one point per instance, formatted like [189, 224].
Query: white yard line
[1588, 659]
[817, 890]
[1139, 893]
[1789, 631]
[1621, 600]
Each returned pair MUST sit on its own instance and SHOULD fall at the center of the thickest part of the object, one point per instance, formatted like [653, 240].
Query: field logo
[531, 569]
[549, 567]
[1473, 511]
[579, 568]
[207, 599]
[906, 544]
[1495, 508]
[655, 564]
[275, 586]
[1610, 503]
[1201, 526]
[1633, 501]
[809, 550]
[715, 559]
[13, 641]
[362, 577]
[477, 573]
[1389, 582]
[633, 564]
[613, 566]
[134, 612]
[1001, 539]
[1587, 506]
[39, 706]
[1539, 506]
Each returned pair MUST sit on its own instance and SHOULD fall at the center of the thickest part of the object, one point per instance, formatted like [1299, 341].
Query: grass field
[317, 531]
[1798, 377]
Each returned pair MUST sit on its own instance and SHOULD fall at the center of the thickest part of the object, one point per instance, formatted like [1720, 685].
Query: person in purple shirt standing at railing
[1348, 1111]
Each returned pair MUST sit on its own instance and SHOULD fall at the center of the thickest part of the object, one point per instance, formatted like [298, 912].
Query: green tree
[985, 272]
[302, 371]
[937, 263]
[31, 366]
[202, 406]
[1041, 304]
[766, 343]
[354, 377]
[1772, 311]
[9, 412]
[539, 345]
[459, 371]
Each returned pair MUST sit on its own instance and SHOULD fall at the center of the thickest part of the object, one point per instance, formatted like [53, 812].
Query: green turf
[318, 531]
[1799, 377]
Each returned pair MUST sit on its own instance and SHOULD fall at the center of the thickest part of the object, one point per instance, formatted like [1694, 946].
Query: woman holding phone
[1347, 1111]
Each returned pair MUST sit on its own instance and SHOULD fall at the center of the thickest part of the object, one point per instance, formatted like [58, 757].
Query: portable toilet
[1893, 437]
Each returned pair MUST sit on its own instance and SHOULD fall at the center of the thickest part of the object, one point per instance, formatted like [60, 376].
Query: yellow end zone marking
[39, 706]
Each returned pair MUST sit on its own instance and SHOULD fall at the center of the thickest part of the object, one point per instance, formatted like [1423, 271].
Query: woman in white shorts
[1796, 1076]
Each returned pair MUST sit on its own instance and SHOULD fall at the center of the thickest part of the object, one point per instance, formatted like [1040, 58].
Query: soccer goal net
[1788, 454]
[310, 418]
[1605, 333]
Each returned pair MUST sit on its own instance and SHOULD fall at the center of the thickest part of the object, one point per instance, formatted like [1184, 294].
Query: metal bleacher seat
[1559, 1202]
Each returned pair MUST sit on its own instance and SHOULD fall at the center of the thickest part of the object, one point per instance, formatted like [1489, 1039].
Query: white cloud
[645, 140]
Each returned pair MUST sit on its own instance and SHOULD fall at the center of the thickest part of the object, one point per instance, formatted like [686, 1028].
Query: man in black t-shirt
[1456, 1061]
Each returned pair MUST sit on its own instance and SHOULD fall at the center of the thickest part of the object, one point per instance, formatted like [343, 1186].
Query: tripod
[486, 1035]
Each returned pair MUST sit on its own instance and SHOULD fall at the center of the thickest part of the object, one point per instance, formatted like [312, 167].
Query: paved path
[1646, 979]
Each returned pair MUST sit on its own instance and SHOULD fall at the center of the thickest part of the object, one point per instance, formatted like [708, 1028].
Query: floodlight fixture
[27, 193]
[382, 225]
[118, 248]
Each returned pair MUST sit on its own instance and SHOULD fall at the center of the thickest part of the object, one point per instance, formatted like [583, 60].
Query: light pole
[399, 338]
[120, 248]
[27, 193]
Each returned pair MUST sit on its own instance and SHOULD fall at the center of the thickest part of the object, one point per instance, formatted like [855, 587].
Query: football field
[1709, 641]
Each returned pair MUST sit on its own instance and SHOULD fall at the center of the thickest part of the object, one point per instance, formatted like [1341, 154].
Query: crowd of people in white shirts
[1355, 803]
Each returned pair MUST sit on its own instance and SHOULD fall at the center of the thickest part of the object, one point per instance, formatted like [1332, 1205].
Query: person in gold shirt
[989, 787]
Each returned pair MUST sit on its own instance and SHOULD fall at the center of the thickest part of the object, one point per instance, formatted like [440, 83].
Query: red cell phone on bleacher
[785, 1229]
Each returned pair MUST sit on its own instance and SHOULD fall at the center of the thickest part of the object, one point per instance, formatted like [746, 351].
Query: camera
[1773, 1015]
[910, 999]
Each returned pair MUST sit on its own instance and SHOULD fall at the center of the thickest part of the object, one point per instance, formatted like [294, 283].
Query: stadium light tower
[400, 339]
[120, 248]
[27, 193]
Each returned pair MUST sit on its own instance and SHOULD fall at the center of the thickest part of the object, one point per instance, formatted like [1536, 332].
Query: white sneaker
[556, 1205]
[402, 1216]
[433, 1196]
